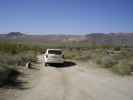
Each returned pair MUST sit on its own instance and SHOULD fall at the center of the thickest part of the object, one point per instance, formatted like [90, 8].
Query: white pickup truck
[53, 56]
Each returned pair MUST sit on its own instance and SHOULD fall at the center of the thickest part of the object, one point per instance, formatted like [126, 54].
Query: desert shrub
[77, 54]
[5, 71]
[25, 57]
[107, 61]
[97, 60]
[17, 59]
[122, 68]
[72, 54]
[130, 62]
[117, 48]
[122, 54]
[8, 59]
[85, 57]
[16, 48]
[104, 47]
[12, 55]
[121, 62]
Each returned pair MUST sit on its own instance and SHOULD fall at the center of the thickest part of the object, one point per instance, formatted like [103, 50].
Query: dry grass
[119, 60]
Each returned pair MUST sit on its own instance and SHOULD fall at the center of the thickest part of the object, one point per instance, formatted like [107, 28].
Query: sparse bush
[117, 48]
[18, 59]
[85, 57]
[98, 61]
[5, 70]
[106, 61]
[25, 57]
[122, 68]
[77, 54]
[72, 55]
[12, 55]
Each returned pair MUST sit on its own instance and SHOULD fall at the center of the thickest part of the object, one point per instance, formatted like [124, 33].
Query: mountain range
[125, 39]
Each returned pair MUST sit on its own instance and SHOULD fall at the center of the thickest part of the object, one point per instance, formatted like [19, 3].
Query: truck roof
[55, 49]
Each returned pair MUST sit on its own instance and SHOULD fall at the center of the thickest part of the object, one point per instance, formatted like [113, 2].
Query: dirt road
[76, 82]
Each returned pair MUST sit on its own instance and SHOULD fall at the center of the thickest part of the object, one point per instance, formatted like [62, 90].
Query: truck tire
[46, 64]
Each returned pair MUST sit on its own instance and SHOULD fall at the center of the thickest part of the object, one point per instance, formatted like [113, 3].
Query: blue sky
[66, 16]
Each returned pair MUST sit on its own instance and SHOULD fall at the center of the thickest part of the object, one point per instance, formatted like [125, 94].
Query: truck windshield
[57, 52]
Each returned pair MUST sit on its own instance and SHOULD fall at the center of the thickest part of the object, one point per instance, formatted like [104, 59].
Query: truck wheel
[46, 64]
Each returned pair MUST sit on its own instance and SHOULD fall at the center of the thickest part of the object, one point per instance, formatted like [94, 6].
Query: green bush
[123, 68]
[73, 54]
[5, 70]
[106, 61]
[26, 57]
[16, 48]
[117, 48]
[17, 59]
[12, 55]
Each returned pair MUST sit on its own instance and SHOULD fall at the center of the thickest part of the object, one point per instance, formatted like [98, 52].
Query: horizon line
[84, 33]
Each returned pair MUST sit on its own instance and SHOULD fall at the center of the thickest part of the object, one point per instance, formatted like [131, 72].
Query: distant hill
[125, 39]
[12, 35]
[15, 35]
[18, 36]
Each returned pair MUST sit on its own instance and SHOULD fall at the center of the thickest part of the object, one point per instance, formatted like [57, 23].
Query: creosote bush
[107, 61]
[122, 68]
[13, 55]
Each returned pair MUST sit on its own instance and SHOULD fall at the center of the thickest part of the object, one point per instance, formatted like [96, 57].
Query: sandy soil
[82, 81]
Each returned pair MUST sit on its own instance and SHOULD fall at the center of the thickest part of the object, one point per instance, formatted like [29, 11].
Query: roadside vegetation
[118, 59]
[115, 58]
[13, 55]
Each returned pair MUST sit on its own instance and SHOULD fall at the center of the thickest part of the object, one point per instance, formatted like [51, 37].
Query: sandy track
[79, 82]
